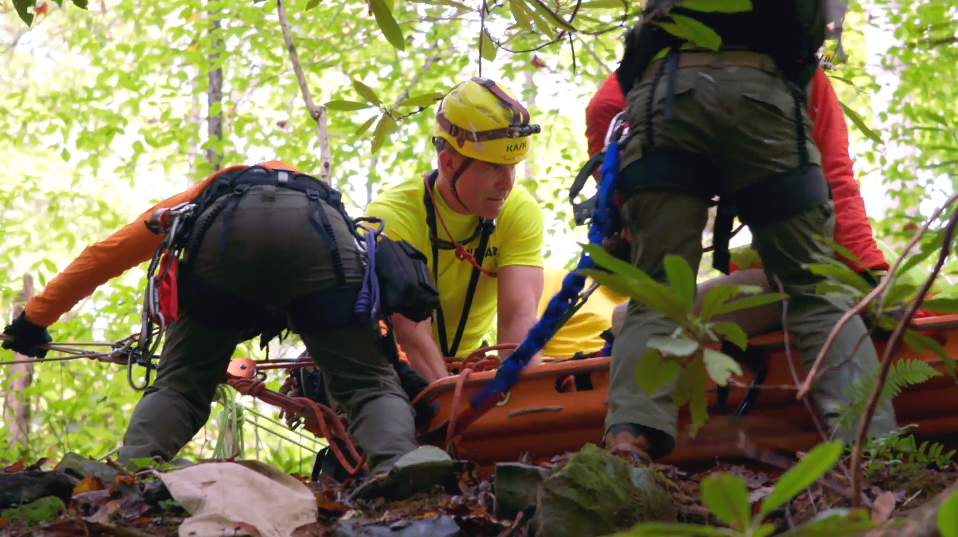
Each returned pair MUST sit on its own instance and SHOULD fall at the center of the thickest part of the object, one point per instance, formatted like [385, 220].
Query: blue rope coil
[368, 300]
[572, 285]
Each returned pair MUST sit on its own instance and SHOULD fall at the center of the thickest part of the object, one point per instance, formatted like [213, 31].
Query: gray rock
[596, 493]
[418, 471]
[81, 467]
[25, 487]
[437, 526]
[516, 488]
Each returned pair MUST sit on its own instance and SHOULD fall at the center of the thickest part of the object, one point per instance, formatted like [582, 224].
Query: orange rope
[297, 405]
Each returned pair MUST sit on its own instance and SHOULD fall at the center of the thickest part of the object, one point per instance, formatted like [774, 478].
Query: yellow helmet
[485, 122]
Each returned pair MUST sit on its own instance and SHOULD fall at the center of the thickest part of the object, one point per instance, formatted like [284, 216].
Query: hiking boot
[626, 441]
[420, 470]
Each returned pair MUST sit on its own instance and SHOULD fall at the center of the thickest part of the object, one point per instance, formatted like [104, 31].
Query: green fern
[901, 375]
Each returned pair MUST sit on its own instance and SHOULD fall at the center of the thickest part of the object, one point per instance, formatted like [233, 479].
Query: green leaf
[425, 99]
[843, 274]
[720, 366]
[681, 278]
[844, 252]
[603, 4]
[948, 516]
[656, 297]
[717, 6]
[694, 31]
[23, 9]
[50, 266]
[816, 462]
[384, 128]
[674, 346]
[550, 16]
[653, 372]
[720, 294]
[311, 4]
[366, 92]
[732, 332]
[346, 106]
[899, 292]
[521, 13]
[941, 304]
[698, 404]
[365, 126]
[836, 522]
[487, 49]
[388, 24]
[927, 248]
[749, 302]
[922, 343]
[857, 120]
[82, 4]
[726, 496]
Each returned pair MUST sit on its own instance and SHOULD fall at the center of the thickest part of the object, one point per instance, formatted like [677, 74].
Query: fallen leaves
[88, 484]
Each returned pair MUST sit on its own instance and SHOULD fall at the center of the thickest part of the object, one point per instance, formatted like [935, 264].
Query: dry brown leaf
[88, 484]
[329, 506]
[123, 480]
[882, 507]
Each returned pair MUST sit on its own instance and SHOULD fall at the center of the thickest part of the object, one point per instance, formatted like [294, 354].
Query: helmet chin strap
[455, 179]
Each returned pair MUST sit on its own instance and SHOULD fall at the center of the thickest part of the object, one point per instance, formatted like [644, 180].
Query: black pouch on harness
[405, 285]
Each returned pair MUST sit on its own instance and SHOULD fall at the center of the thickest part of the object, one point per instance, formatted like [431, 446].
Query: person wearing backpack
[730, 123]
[482, 237]
[268, 248]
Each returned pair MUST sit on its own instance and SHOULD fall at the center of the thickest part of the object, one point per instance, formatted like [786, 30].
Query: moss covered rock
[42, 510]
[596, 493]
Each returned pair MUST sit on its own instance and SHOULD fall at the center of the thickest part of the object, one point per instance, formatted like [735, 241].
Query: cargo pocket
[641, 112]
[772, 98]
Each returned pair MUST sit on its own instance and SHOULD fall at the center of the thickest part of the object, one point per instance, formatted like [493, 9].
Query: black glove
[26, 337]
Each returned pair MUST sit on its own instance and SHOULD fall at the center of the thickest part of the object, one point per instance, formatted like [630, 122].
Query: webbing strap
[484, 231]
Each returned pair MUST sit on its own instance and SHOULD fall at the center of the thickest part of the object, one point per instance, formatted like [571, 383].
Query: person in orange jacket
[267, 247]
[852, 228]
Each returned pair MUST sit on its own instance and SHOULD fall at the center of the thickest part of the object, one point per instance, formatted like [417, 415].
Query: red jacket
[852, 229]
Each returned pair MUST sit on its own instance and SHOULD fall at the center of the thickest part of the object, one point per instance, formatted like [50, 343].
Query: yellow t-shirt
[516, 240]
[582, 331]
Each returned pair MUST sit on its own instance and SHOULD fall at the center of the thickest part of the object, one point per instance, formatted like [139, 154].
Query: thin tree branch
[318, 113]
[893, 344]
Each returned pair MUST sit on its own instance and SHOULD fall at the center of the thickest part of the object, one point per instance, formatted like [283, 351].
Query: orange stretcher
[561, 406]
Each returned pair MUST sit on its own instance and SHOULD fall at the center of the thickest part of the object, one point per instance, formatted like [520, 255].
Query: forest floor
[112, 501]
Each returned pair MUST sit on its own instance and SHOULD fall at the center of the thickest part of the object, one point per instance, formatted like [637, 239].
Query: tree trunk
[16, 408]
[214, 123]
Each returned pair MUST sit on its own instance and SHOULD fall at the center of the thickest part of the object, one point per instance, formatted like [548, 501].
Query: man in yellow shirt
[482, 237]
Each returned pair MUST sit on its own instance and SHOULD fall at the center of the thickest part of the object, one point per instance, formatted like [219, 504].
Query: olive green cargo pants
[272, 256]
[744, 119]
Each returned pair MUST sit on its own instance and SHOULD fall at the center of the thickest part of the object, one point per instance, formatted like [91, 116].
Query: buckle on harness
[312, 194]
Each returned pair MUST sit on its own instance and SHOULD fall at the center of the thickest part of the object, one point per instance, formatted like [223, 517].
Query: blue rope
[367, 302]
[572, 285]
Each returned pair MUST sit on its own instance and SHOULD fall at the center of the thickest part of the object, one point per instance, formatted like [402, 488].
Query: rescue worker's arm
[520, 269]
[421, 351]
[603, 106]
[99, 263]
[830, 133]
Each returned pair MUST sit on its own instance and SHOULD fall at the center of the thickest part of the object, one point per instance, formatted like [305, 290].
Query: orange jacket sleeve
[830, 133]
[603, 106]
[98, 263]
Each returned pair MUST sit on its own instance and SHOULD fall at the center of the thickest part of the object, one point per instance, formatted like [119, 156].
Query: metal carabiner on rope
[167, 222]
